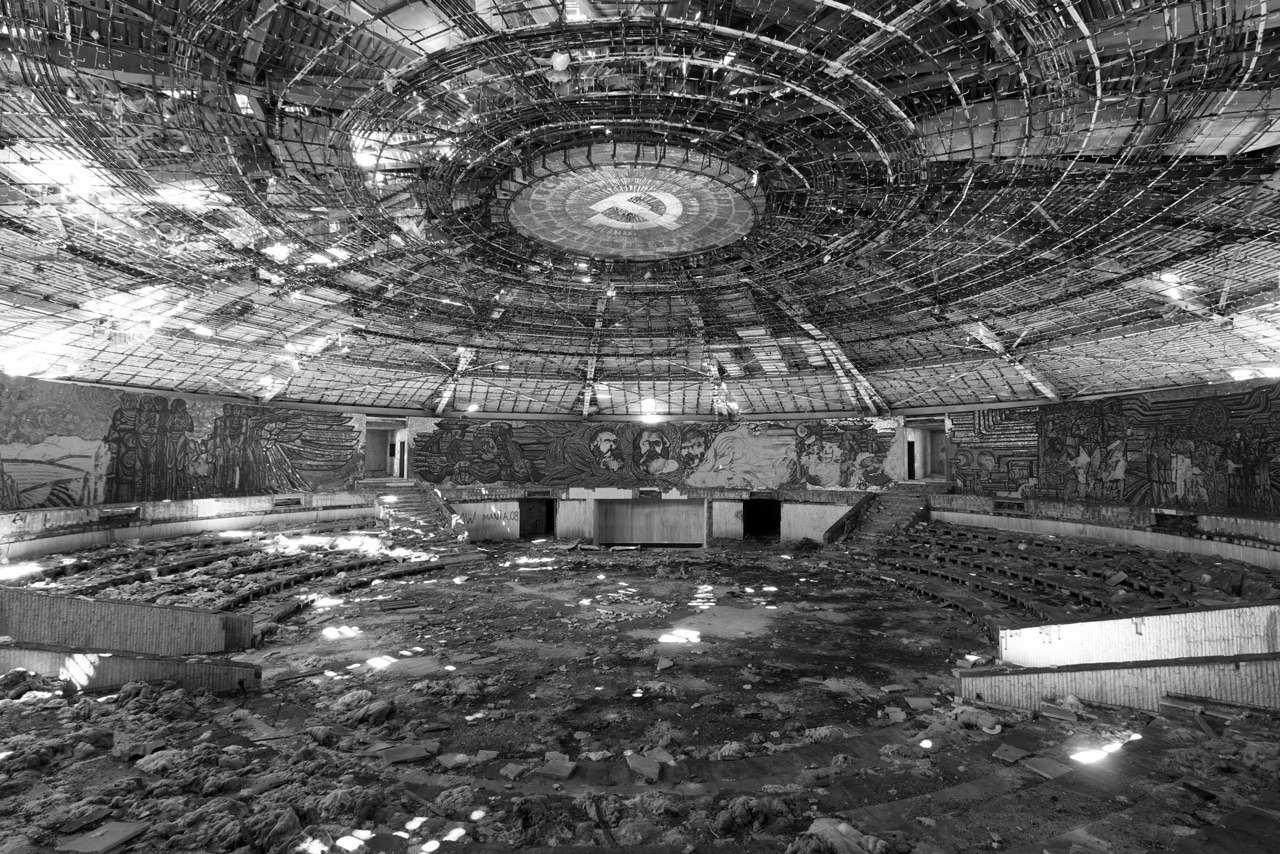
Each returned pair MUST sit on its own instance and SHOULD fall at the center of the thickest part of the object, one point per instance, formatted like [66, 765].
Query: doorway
[379, 453]
[537, 517]
[761, 519]
[911, 460]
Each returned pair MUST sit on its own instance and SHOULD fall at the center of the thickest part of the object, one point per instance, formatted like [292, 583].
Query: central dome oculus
[633, 202]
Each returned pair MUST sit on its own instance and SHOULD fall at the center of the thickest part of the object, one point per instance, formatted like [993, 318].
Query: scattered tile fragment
[1045, 767]
[513, 770]
[405, 753]
[1009, 753]
[110, 837]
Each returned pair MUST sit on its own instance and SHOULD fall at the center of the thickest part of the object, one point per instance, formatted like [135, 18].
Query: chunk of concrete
[644, 766]
[453, 760]
[405, 753]
[483, 756]
[1058, 713]
[919, 704]
[893, 689]
[660, 756]
[112, 836]
[512, 770]
[557, 769]
[83, 820]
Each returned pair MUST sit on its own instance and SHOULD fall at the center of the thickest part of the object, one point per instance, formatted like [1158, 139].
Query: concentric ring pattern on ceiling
[569, 208]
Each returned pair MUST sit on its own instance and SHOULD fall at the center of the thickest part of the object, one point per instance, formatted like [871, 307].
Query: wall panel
[726, 520]
[102, 624]
[651, 521]
[809, 521]
[100, 672]
[1249, 681]
[490, 520]
[1248, 630]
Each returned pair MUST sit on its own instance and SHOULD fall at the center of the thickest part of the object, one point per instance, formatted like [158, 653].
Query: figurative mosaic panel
[1205, 452]
[65, 445]
[756, 455]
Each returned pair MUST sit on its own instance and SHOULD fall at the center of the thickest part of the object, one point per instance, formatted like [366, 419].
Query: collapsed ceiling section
[592, 208]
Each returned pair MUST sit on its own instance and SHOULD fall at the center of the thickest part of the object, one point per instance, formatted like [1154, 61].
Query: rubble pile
[720, 700]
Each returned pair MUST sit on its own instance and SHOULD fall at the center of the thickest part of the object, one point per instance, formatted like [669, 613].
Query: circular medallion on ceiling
[634, 202]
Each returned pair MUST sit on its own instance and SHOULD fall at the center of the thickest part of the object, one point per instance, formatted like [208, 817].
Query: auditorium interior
[671, 426]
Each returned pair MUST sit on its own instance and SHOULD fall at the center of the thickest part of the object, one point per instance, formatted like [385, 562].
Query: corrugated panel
[1249, 682]
[1225, 631]
[99, 672]
[665, 521]
[99, 624]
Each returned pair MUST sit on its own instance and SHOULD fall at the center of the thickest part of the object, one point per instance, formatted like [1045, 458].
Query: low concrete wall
[726, 520]
[1122, 536]
[1261, 529]
[98, 671]
[1244, 630]
[1251, 680]
[809, 521]
[1113, 515]
[80, 623]
[490, 520]
[963, 503]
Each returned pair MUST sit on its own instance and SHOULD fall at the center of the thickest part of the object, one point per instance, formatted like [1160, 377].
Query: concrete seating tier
[1179, 580]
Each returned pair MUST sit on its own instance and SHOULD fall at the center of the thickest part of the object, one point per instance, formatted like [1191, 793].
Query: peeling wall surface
[854, 454]
[75, 446]
[1191, 450]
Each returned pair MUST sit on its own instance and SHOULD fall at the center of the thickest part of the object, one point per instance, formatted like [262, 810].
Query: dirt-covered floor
[746, 697]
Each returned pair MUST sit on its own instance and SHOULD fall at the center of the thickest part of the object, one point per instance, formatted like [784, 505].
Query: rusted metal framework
[933, 204]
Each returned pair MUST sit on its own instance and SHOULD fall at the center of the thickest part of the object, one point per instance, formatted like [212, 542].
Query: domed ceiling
[586, 208]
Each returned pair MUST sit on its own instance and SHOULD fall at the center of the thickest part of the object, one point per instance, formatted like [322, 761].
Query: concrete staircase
[897, 508]
[408, 503]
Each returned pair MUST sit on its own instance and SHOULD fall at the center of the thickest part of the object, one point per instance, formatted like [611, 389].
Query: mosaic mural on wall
[755, 455]
[64, 446]
[1206, 452]
[994, 451]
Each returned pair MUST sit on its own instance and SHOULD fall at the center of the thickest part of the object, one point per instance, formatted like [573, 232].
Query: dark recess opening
[761, 518]
[911, 460]
[537, 517]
